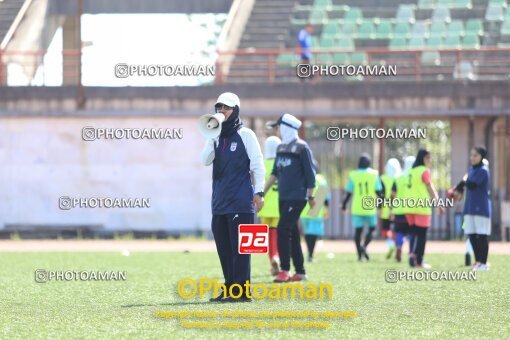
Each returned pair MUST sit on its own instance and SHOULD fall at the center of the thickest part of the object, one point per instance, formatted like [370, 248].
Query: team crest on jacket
[233, 146]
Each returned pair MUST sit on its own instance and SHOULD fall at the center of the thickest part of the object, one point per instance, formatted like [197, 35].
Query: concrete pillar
[71, 44]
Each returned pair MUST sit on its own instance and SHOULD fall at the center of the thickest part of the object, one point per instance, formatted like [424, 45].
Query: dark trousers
[289, 242]
[236, 267]
[310, 243]
[420, 239]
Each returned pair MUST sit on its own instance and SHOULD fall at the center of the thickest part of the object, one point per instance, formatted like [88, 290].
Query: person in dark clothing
[235, 155]
[293, 168]
[477, 207]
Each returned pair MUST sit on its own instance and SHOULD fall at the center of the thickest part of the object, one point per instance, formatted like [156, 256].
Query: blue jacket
[294, 169]
[234, 158]
[477, 191]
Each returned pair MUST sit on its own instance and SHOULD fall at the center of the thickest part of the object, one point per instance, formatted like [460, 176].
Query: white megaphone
[210, 125]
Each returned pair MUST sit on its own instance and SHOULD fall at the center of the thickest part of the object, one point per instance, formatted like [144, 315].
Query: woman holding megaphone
[235, 154]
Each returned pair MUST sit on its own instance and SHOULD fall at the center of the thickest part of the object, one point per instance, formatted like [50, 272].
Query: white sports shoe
[482, 268]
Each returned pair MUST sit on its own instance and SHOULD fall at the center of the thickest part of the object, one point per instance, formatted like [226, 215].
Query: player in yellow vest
[364, 186]
[399, 191]
[391, 172]
[270, 214]
[420, 187]
[313, 227]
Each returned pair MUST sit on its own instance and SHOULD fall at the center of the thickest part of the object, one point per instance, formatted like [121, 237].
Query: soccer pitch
[126, 309]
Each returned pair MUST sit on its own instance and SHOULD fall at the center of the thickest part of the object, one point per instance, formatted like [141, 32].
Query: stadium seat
[463, 70]
[474, 26]
[505, 28]
[430, 58]
[456, 27]
[359, 58]
[322, 4]
[426, 4]
[452, 42]
[420, 29]
[345, 43]
[416, 43]
[384, 30]
[435, 42]
[441, 13]
[405, 13]
[324, 58]
[402, 29]
[318, 17]
[353, 15]
[366, 30]
[349, 29]
[341, 58]
[501, 3]
[315, 42]
[494, 13]
[330, 29]
[398, 43]
[471, 41]
[327, 43]
[437, 28]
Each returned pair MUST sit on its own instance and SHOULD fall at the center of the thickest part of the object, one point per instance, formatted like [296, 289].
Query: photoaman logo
[253, 239]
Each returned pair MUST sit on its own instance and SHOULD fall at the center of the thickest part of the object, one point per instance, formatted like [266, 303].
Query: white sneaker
[482, 268]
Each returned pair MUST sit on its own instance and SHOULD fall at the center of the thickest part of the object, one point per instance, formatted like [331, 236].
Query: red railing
[262, 65]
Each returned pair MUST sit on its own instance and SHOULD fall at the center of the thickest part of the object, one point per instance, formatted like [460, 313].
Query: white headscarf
[392, 168]
[270, 147]
[289, 133]
[408, 163]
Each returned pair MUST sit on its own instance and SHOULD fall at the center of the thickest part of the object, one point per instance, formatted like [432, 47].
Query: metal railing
[419, 64]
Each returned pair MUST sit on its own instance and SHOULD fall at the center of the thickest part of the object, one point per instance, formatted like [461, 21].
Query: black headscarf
[232, 124]
[420, 158]
[364, 161]
[482, 151]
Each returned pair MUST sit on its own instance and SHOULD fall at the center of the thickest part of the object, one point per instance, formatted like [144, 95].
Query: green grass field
[126, 309]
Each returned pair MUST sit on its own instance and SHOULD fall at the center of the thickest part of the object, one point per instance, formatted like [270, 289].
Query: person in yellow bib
[313, 227]
[270, 214]
[399, 192]
[364, 186]
[391, 172]
[421, 189]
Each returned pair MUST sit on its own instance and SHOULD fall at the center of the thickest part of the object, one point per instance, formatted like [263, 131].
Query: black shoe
[218, 298]
[365, 255]
[467, 261]
[231, 299]
[412, 261]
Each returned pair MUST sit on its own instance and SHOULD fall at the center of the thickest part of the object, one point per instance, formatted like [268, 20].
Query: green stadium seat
[359, 58]
[455, 27]
[416, 43]
[384, 30]
[501, 3]
[452, 42]
[474, 26]
[420, 29]
[402, 29]
[494, 13]
[366, 30]
[405, 13]
[426, 4]
[430, 58]
[330, 29]
[437, 28]
[341, 58]
[398, 43]
[471, 41]
[315, 42]
[324, 58]
[435, 42]
[350, 29]
[318, 17]
[298, 22]
[463, 70]
[441, 13]
[463, 4]
[286, 59]
[322, 4]
[507, 14]
[346, 43]
[353, 15]
[505, 28]
[327, 43]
